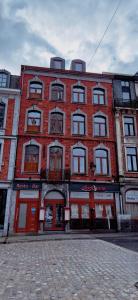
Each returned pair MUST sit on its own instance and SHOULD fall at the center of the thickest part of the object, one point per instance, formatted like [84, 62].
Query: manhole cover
[136, 285]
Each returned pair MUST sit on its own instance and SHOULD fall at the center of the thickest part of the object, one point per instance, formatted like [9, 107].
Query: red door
[26, 216]
[54, 215]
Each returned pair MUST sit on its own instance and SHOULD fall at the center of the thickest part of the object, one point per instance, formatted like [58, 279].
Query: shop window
[78, 94]
[129, 126]
[74, 211]
[79, 161]
[2, 114]
[35, 90]
[132, 164]
[78, 124]
[101, 159]
[100, 128]
[98, 96]
[57, 92]
[125, 91]
[3, 80]
[33, 121]
[56, 123]
[31, 158]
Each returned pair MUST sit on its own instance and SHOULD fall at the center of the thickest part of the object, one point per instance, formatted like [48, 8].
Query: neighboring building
[66, 169]
[9, 113]
[126, 119]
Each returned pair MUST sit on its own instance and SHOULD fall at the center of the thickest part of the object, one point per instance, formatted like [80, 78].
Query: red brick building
[9, 113]
[66, 167]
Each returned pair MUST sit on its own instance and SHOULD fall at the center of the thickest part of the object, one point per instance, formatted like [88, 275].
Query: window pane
[103, 132]
[75, 97]
[104, 166]
[82, 165]
[81, 98]
[134, 163]
[98, 166]
[79, 152]
[129, 164]
[126, 129]
[131, 150]
[78, 67]
[126, 96]
[95, 99]
[101, 153]
[81, 128]
[131, 129]
[101, 99]
[74, 211]
[75, 127]
[96, 129]
[75, 165]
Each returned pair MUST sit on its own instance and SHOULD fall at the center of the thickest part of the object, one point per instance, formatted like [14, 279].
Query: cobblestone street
[67, 269]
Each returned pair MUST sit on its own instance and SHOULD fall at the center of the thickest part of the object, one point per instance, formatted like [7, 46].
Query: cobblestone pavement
[67, 269]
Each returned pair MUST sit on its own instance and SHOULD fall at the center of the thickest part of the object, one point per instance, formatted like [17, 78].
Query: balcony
[56, 175]
[128, 104]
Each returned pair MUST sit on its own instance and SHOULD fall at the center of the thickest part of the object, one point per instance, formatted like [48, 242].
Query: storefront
[27, 206]
[131, 206]
[93, 205]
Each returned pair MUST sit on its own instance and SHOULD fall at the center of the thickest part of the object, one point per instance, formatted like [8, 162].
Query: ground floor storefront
[129, 198]
[42, 207]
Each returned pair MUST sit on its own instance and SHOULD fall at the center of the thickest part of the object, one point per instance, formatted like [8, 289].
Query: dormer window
[78, 65]
[3, 80]
[57, 63]
[35, 90]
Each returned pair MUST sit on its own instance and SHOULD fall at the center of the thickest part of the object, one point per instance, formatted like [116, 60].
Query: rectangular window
[125, 90]
[3, 80]
[132, 165]
[78, 67]
[129, 126]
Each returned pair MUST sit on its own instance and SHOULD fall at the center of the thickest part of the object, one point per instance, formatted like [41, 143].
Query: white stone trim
[79, 112]
[79, 145]
[57, 110]
[100, 86]
[103, 147]
[1, 152]
[56, 144]
[31, 142]
[12, 159]
[79, 84]
[101, 114]
[35, 108]
[37, 79]
[57, 81]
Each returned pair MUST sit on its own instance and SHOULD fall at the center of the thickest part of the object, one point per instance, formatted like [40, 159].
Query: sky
[33, 31]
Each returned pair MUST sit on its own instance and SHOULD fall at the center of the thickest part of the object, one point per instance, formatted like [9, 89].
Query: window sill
[56, 133]
[78, 103]
[33, 98]
[80, 135]
[31, 172]
[52, 100]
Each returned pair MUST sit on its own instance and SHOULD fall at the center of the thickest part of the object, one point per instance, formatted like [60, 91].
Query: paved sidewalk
[67, 270]
[64, 236]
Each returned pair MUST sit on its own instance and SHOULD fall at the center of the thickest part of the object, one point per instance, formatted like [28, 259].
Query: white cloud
[73, 28]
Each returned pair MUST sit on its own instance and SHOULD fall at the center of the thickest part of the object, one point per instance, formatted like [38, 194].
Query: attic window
[78, 67]
[57, 64]
[3, 80]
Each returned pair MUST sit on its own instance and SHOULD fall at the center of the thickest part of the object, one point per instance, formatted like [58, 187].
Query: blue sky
[32, 31]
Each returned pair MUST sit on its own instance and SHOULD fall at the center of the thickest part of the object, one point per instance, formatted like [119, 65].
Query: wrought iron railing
[119, 102]
[55, 175]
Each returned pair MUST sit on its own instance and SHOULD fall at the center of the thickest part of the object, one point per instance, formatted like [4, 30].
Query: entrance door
[27, 217]
[54, 215]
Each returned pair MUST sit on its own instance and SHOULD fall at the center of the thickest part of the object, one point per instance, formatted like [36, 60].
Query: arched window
[35, 89]
[2, 114]
[78, 124]
[3, 79]
[31, 158]
[78, 94]
[100, 128]
[55, 163]
[56, 123]
[79, 161]
[33, 121]
[101, 160]
[98, 96]
[57, 92]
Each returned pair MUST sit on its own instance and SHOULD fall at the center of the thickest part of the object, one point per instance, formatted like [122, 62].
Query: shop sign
[132, 196]
[94, 187]
[27, 185]
[102, 196]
